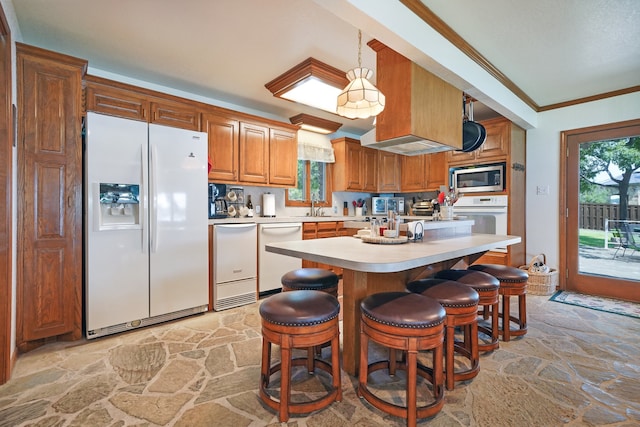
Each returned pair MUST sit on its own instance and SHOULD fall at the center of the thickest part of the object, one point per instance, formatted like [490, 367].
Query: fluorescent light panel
[312, 83]
[315, 124]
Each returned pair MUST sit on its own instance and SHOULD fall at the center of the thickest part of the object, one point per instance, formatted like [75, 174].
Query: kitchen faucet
[315, 211]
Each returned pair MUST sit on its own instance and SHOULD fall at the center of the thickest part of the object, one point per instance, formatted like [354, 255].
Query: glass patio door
[598, 256]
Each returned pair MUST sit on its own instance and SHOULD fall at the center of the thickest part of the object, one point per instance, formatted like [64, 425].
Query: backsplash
[338, 200]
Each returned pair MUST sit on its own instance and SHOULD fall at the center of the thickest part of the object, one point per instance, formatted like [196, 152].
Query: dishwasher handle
[272, 226]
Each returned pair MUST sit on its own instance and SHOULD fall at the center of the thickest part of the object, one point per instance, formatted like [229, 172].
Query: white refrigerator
[146, 239]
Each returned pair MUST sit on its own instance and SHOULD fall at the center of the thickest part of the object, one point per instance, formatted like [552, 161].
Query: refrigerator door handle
[153, 204]
[142, 212]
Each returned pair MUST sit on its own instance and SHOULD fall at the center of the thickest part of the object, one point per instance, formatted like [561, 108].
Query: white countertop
[354, 254]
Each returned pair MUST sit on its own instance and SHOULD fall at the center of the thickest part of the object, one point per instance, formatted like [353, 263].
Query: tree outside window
[313, 184]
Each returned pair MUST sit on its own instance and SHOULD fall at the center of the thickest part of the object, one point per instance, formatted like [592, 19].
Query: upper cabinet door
[388, 172]
[369, 170]
[283, 157]
[115, 101]
[414, 173]
[223, 135]
[254, 153]
[175, 115]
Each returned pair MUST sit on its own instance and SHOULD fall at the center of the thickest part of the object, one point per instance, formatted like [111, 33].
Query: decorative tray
[385, 240]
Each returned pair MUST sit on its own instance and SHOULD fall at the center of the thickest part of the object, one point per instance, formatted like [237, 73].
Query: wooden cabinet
[426, 172]
[506, 142]
[321, 230]
[414, 173]
[223, 133]
[49, 235]
[176, 115]
[356, 167]
[283, 157]
[496, 147]
[369, 170]
[131, 102]
[250, 153]
[437, 171]
[254, 153]
[104, 98]
[389, 172]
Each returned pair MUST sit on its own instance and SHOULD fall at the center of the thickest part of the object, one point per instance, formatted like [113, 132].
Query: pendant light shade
[360, 99]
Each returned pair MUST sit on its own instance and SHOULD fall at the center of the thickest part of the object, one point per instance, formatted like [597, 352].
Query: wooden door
[223, 133]
[105, 99]
[254, 153]
[283, 157]
[369, 170]
[49, 297]
[6, 185]
[606, 277]
[353, 157]
[414, 173]
[436, 171]
[388, 172]
[496, 146]
[175, 115]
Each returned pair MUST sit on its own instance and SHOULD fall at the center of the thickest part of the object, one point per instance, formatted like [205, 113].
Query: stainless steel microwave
[382, 205]
[480, 178]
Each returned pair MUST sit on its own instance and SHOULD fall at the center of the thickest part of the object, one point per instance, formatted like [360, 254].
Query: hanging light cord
[359, 48]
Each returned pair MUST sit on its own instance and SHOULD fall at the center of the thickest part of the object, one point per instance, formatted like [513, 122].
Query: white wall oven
[479, 178]
[488, 212]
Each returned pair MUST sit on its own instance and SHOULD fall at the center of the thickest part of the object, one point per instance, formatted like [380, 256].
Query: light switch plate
[542, 190]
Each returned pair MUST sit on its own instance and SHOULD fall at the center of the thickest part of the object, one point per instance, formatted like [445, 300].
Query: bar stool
[313, 279]
[461, 306]
[317, 279]
[299, 319]
[410, 323]
[513, 282]
[487, 288]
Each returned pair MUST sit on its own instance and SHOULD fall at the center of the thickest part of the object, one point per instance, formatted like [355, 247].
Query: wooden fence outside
[592, 215]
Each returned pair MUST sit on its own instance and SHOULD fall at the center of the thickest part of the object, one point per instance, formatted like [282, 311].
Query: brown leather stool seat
[487, 288]
[316, 279]
[513, 282]
[299, 319]
[461, 305]
[410, 323]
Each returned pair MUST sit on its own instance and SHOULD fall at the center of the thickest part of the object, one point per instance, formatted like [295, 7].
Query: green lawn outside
[593, 238]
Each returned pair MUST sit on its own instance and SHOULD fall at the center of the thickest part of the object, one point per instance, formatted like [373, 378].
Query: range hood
[422, 112]
[406, 145]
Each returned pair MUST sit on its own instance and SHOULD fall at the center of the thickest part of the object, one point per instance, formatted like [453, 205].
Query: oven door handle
[472, 209]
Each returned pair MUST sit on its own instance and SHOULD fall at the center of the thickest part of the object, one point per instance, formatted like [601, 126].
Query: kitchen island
[372, 268]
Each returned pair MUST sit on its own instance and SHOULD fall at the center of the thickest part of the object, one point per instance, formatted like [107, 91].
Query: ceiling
[228, 49]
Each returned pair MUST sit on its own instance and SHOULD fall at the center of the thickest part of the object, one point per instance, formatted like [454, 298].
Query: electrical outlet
[335, 209]
[257, 209]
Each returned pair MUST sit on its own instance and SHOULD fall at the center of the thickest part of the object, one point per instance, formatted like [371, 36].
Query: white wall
[543, 163]
[16, 35]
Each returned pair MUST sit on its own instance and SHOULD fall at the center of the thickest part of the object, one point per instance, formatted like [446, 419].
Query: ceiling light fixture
[315, 124]
[312, 83]
[360, 98]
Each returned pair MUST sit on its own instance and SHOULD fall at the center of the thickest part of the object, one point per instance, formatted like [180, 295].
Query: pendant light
[360, 99]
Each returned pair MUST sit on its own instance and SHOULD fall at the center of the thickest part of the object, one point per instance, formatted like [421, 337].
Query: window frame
[307, 196]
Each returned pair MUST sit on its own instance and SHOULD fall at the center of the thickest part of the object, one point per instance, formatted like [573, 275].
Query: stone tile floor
[576, 367]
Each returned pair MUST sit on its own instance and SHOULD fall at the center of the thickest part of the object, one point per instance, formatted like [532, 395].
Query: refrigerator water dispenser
[119, 206]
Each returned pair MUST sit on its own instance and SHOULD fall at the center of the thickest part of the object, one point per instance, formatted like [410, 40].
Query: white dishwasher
[273, 266]
[235, 265]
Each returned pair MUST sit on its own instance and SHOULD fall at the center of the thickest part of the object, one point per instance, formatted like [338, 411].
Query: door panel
[602, 280]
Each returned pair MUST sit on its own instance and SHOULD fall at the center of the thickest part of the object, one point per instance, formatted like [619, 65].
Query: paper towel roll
[268, 205]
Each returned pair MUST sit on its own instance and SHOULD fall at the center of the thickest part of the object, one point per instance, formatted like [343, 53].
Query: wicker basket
[540, 283]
